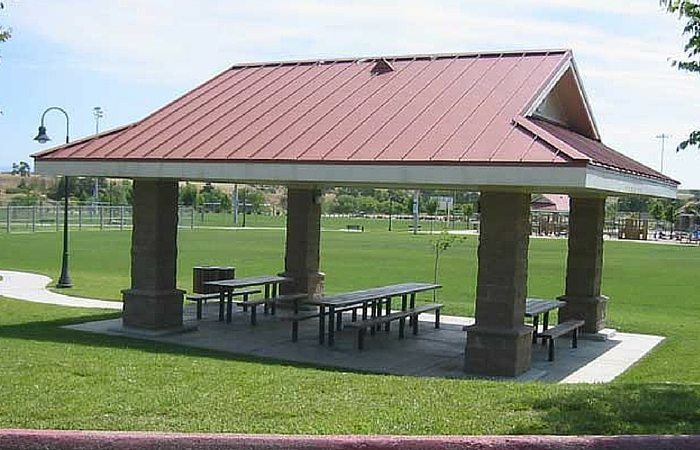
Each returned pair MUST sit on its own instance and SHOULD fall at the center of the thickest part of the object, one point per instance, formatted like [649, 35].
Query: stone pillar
[153, 302]
[584, 265]
[499, 343]
[302, 251]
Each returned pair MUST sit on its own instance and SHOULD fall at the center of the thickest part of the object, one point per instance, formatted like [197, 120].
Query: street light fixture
[98, 113]
[64, 281]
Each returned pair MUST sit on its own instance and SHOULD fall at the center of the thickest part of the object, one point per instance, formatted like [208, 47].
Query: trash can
[202, 274]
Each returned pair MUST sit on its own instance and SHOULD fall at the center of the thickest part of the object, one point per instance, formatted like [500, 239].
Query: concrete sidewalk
[33, 288]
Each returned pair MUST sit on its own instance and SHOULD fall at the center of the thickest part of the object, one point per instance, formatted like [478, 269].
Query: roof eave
[570, 178]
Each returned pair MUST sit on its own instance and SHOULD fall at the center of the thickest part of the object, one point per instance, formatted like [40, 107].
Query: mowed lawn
[56, 378]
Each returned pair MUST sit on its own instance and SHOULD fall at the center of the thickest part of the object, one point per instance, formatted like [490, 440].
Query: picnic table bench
[270, 285]
[353, 227]
[536, 307]
[413, 313]
[369, 300]
[570, 326]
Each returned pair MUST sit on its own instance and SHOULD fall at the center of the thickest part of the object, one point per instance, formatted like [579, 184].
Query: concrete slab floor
[432, 353]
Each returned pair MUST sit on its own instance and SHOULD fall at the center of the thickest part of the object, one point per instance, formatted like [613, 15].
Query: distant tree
[213, 195]
[255, 200]
[633, 203]
[22, 169]
[688, 11]
[5, 33]
[188, 195]
[657, 209]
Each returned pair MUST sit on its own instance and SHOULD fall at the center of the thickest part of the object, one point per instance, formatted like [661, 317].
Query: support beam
[499, 343]
[302, 251]
[584, 265]
[153, 302]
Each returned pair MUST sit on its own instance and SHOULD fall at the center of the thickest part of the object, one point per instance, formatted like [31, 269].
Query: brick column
[302, 250]
[153, 302]
[584, 265]
[499, 343]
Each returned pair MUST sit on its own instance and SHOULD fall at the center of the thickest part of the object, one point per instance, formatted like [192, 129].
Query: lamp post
[663, 137]
[98, 113]
[64, 281]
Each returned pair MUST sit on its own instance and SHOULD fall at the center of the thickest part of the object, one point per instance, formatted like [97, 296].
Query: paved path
[32, 288]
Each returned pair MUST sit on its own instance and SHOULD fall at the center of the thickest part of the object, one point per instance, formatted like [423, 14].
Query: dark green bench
[199, 299]
[551, 334]
[361, 326]
[270, 303]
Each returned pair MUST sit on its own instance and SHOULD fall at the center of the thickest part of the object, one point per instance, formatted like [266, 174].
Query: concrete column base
[590, 309]
[152, 310]
[498, 351]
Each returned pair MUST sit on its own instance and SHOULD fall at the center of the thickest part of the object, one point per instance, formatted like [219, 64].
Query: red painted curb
[111, 440]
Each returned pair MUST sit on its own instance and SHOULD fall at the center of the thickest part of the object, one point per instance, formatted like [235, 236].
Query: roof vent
[382, 66]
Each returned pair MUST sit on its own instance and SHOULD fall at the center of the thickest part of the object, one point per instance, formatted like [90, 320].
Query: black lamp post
[64, 281]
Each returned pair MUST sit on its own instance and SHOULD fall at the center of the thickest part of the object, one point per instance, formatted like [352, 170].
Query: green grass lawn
[56, 378]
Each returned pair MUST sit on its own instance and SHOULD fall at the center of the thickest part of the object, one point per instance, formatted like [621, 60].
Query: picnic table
[367, 298]
[270, 284]
[536, 307]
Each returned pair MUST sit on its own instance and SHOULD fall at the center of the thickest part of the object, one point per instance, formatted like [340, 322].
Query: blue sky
[132, 56]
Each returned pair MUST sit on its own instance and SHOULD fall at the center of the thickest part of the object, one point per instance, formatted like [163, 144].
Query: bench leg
[535, 333]
[322, 325]
[551, 349]
[222, 301]
[574, 338]
[295, 330]
[387, 326]
[229, 309]
[339, 321]
[254, 314]
[402, 326]
[545, 324]
[354, 314]
[437, 318]
[331, 326]
[199, 310]
[414, 323]
[273, 308]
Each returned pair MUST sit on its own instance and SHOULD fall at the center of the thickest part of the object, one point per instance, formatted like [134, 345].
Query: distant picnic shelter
[506, 124]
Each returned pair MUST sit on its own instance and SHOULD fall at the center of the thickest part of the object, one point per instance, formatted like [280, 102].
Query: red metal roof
[456, 108]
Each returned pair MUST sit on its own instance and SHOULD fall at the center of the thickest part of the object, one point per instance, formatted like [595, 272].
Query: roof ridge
[404, 57]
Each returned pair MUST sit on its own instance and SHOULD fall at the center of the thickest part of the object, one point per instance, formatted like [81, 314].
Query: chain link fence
[49, 217]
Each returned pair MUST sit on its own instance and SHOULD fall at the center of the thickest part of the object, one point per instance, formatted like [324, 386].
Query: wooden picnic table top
[536, 306]
[350, 298]
[249, 281]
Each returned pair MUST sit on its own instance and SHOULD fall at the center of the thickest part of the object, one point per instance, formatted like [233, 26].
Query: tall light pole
[98, 113]
[64, 281]
[663, 137]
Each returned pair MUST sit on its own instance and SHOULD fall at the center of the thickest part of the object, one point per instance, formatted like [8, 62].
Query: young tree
[688, 11]
[441, 243]
[5, 33]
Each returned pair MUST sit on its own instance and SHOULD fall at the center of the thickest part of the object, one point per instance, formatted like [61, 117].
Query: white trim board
[548, 179]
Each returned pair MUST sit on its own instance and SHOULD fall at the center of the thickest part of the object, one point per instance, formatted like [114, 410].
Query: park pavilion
[506, 124]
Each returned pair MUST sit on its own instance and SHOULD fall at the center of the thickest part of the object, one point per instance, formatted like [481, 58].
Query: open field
[50, 377]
